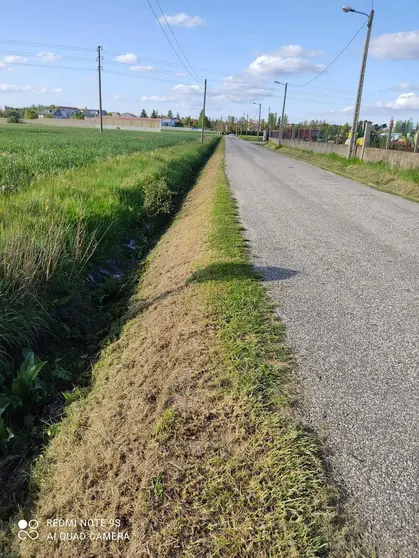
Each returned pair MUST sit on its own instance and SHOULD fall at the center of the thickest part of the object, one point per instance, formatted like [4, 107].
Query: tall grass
[54, 232]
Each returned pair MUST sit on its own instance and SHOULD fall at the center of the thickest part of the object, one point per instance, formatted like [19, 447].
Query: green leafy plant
[27, 386]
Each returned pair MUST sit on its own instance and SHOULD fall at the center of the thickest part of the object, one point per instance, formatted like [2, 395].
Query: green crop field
[77, 210]
[30, 151]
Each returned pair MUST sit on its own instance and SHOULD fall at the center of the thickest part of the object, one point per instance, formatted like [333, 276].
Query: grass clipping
[187, 436]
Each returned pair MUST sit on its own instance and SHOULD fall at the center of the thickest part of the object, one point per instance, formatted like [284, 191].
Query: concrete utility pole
[367, 137]
[203, 112]
[99, 69]
[260, 108]
[390, 129]
[283, 109]
[352, 141]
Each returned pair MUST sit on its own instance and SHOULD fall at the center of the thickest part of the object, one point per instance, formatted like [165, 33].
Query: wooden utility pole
[203, 112]
[99, 70]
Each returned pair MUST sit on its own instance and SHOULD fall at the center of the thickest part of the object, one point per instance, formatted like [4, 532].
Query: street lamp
[352, 141]
[283, 108]
[260, 108]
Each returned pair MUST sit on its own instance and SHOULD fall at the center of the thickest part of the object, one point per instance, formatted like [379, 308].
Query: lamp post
[283, 109]
[352, 141]
[260, 108]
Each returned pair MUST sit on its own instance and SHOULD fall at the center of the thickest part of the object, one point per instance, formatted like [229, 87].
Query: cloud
[239, 89]
[128, 58]
[6, 88]
[344, 110]
[142, 68]
[275, 64]
[14, 59]
[409, 101]
[181, 74]
[48, 56]
[157, 98]
[181, 20]
[396, 46]
[181, 88]
[118, 97]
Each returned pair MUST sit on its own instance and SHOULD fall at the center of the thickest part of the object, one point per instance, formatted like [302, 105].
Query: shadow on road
[231, 271]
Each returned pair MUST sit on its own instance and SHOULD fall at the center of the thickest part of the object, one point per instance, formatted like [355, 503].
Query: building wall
[138, 124]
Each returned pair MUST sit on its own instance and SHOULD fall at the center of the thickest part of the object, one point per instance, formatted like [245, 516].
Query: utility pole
[352, 141]
[247, 122]
[260, 108]
[203, 112]
[283, 113]
[390, 129]
[99, 69]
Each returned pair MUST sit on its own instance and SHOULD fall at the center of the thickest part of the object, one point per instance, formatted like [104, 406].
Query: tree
[143, 114]
[178, 116]
[13, 117]
[170, 114]
[30, 114]
[154, 114]
[187, 121]
[207, 122]
[78, 116]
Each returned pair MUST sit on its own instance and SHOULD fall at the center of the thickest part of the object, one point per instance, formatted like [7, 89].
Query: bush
[13, 119]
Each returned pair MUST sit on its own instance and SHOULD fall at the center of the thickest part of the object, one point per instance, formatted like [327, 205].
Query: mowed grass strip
[188, 435]
[380, 175]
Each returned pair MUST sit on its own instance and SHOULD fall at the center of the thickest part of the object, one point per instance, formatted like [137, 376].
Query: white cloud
[157, 98]
[118, 97]
[396, 46]
[274, 64]
[291, 50]
[48, 56]
[128, 58]
[409, 101]
[142, 68]
[239, 89]
[181, 74]
[6, 88]
[181, 88]
[181, 20]
[14, 59]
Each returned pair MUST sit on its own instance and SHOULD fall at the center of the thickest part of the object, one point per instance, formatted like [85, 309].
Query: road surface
[341, 263]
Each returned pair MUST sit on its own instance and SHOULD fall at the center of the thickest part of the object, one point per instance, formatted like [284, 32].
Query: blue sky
[241, 46]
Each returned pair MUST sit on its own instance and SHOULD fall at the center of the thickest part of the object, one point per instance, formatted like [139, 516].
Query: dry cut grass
[187, 435]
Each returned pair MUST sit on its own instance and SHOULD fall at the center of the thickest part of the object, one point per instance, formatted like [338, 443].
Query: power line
[170, 42]
[333, 61]
[174, 36]
[45, 45]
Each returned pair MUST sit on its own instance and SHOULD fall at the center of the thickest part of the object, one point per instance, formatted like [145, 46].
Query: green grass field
[30, 151]
[58, 233]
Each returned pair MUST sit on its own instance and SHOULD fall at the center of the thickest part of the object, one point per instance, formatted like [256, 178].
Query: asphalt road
[341, 263]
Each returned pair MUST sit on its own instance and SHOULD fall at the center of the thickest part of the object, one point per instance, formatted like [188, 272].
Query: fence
[393, 158]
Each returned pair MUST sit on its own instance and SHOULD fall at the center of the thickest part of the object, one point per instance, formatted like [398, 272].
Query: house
[92, 113]
[59, 112]
[166, 121]
[128, 115]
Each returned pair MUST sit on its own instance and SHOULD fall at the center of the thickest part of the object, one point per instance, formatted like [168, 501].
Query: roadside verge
[393, 180]
[187, 437]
